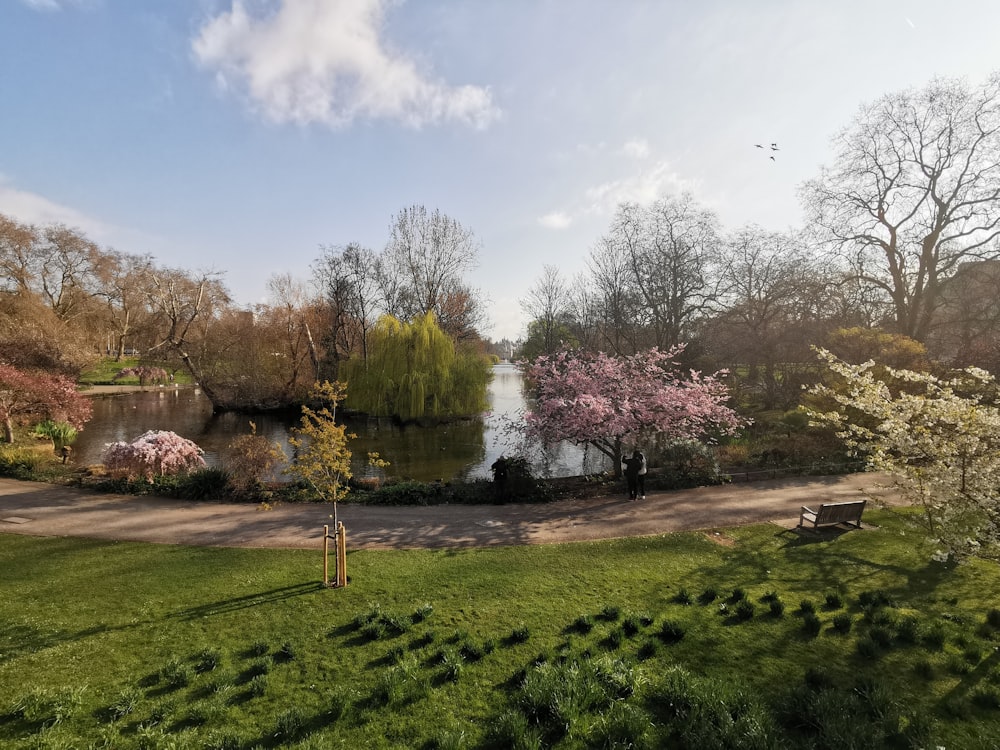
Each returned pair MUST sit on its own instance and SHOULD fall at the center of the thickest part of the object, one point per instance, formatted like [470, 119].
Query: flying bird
[772, 158]
[774, 147]
[758, 145]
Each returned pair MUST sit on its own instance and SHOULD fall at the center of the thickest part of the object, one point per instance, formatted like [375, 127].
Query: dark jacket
[632, 466]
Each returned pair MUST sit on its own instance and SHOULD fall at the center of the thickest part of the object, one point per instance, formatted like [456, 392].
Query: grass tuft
[671, 631]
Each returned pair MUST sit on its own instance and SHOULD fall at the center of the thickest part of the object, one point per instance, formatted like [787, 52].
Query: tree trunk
[313, 356]
[210, 393]
[614, 452]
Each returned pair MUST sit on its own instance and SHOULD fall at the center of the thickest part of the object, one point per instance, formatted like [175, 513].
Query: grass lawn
[104, 370]
[765, 640]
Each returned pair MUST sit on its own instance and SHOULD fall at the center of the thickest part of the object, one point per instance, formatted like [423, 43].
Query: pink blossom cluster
[155, 453]
[599, 398]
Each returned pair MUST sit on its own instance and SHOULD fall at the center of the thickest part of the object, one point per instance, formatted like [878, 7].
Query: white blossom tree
[938, 438]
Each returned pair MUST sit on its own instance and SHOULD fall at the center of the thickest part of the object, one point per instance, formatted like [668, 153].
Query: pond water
[462, 450]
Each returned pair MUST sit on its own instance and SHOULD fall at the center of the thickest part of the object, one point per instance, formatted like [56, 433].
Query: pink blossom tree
[27, 395]
[603, 400]
[154, 453]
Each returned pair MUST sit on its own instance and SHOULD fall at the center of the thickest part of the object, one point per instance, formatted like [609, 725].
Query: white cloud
[647, 185]
[644, 187]
[555, 220]
[324, 61]
[48, 5]
[30, 208]
[637, 148]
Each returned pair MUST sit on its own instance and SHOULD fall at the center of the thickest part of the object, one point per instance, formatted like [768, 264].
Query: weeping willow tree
[414, 372]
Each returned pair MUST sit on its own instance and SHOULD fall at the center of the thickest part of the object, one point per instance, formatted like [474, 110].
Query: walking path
[51, 510]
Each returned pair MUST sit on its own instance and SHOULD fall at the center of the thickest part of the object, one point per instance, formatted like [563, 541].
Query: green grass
[129, 645]
[104, 370]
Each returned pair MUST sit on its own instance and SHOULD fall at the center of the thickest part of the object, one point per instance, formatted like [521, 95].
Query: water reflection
[464, 449]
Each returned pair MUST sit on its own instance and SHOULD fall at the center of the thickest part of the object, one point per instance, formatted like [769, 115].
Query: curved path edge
[38, 509]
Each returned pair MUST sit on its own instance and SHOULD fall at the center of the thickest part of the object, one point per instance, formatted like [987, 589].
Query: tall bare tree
[548, 305]
[19, 264]
[185, 304]
[655, 272]
[423, 270]
[585, 312]
[772, 309]
[67, 275]
[613, 298]
[673, 262]
[121, 286]
[294, 314]
[55, 262]
[55, 267]
[913, 193]
[348, 280]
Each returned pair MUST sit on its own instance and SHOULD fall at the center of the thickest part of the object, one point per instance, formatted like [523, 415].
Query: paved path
[51, 510]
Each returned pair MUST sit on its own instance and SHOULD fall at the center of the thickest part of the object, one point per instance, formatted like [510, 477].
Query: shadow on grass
[294, 726]
[915, 584]
[798, 537]
[245, 602]
[18, 639]
[343, 630]
[828, 560]
[972, 679]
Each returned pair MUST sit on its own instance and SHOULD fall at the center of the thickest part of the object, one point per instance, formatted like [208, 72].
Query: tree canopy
[913, 193]
[414, 371]
[422, 270]
[938, 438]
[39, 395]
[322, 459]
[602, 400]
[548, 304]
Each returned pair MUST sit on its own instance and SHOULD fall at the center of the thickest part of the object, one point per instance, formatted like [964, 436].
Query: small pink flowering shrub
[155, 453]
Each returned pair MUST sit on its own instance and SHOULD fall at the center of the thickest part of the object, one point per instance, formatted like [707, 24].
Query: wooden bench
[833, 514]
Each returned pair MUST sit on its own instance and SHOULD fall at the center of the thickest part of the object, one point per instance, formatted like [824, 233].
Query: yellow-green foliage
[413, 371]
[857, 345]
[322, 459]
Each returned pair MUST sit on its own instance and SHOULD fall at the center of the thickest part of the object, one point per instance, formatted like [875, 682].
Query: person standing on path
[632, 466]
[642, 475]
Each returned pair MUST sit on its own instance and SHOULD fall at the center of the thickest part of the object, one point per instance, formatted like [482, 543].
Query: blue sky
[243, 136]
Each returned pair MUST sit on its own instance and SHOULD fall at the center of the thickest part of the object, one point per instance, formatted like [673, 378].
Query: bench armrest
[808, 510]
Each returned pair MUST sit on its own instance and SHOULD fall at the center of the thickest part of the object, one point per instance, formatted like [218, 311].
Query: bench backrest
[833, 512]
